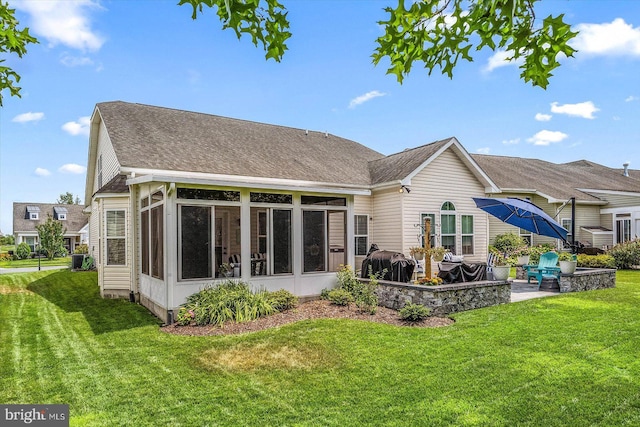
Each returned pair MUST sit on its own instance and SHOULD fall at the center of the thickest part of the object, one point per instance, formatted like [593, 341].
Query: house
[607, 200]
[176, 197]
[26, 216]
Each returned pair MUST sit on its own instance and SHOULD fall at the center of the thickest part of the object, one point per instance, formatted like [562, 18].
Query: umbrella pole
[573, 225]
[427, 246]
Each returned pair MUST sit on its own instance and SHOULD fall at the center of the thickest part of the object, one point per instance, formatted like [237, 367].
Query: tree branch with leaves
[12, 40]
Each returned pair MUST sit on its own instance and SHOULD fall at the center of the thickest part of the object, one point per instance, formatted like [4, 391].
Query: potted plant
[523, 254]
[437, 253]
[501, 268]
[568, 262]
[417, 252]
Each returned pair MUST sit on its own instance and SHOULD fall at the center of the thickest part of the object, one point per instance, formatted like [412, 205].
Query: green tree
[12, 40]
[435, 32]
[51, 235]
[68, 199]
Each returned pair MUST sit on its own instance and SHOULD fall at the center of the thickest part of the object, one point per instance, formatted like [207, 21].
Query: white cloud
[75, 61]
[543, 117]
[500, 59]
[547, 137]
[42, 172]
[616, 38]
[511, 141]
[28, 117]
[63, 22]
[631, 98]
[581, 109]
[72, 168]
[81, 127]
[364, 98]
[483, 150]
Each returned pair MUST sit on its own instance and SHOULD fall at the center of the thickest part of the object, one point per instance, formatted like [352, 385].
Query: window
[33, 213]
[271, 247]
[467, 234]
[152, 235]
[60, 213]
[526, 236]
[201, 194]
[326, 201]
[448, 226]
[323, 237]
[361, 232]
[116, 237]
[32, 242]
[208, 237]
[623, 228]
[271, 198]
[100, 172]
[566, 224]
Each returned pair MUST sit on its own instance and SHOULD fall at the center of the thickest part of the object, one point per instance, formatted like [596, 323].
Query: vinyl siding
[387, 220]
[110, 165]
[446, 178]
[618, 200]
[117, 276]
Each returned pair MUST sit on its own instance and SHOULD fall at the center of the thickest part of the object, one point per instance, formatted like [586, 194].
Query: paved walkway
[521, 290]
[31, 269]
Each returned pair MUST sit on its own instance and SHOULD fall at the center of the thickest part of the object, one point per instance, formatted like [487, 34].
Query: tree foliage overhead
[12, 40]
[436, 32]
[264, 21]
[51, 235]
[440, 32]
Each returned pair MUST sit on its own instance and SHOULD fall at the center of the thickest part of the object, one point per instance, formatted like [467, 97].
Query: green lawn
[570, 360]
[33, 262]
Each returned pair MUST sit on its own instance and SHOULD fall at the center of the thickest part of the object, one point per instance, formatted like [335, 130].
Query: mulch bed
[317, 309]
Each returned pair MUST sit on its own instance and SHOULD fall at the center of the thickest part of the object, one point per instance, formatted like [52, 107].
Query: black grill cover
[456, 272]
[399, 268]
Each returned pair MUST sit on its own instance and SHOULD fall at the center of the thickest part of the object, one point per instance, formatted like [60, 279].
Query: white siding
[618, 200]
[446, 178]
[110, 165]
[387, 220]
[116, 276]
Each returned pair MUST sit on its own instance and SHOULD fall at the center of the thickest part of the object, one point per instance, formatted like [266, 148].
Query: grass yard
[570, 360]
[33, 262]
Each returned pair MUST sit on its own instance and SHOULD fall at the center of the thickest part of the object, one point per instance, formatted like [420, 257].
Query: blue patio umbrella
[522, 214]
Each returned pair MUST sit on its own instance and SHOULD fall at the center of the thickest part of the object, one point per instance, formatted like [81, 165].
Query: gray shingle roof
[151, 137]
[398, 166]
[118, 184]
[556, 180]
[74, 222]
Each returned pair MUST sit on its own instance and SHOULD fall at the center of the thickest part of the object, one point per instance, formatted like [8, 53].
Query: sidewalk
[31, 269]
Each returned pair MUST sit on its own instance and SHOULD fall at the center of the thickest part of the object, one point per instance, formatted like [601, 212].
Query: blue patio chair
[546, 268]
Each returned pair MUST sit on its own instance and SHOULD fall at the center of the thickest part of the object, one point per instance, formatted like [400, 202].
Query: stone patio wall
[588, 279]
[444, 299]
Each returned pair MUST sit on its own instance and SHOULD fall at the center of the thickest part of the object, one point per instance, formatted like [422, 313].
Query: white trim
[626, 209]
[198, 178]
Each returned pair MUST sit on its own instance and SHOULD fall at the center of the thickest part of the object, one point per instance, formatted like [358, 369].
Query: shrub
[507, 243]
[596, 261]
[324, 294]
[414, 312]
[362, 293]
[536, 251]
[185, 317]
[228, 301]
[6, 257]
[23, 251]
[626, 254]
[81, 249]
[87, 263]
[340, 297]
[282, 300]
[566, 256]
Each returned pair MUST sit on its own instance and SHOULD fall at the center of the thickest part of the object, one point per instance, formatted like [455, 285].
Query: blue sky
[152, 52]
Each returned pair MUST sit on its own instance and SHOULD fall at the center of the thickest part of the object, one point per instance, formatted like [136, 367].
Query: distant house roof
[556, 180]
[74, 222]
[148, 137]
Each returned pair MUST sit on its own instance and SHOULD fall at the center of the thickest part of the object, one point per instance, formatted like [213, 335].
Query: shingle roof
[556, 180]
[400, 165]
[74, 222]
[151, 137]
[118, 184]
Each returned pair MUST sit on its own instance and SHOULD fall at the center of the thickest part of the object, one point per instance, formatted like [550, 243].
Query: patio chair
[490, 262]
[546, 268]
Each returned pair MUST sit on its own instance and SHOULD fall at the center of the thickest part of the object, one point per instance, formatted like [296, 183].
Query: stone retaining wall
[588, 279]
[444, 299]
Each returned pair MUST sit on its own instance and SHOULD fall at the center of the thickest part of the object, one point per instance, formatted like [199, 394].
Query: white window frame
[107, 237]
[357, 235]
[472, 234]
[33, 216]
[454, 214]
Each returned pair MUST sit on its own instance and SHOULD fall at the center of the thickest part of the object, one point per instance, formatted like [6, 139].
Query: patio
[521, 291]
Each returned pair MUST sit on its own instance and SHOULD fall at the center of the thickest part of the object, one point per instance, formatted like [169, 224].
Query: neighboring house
[26, 216]
[173, 195]
[607, 201]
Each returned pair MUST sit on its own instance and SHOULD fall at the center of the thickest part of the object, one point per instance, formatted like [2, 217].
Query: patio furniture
[546, 268]
[490, 262]
[458, 272]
